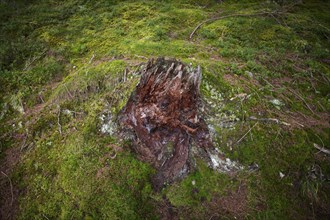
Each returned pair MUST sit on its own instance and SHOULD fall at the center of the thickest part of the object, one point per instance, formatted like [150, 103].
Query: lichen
[107, 124]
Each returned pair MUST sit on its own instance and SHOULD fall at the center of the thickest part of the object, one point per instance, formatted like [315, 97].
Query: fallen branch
[227, 16]
[322, 149]
[11, 188]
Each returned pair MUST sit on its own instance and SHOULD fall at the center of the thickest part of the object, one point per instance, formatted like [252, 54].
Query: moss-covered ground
[266, 86]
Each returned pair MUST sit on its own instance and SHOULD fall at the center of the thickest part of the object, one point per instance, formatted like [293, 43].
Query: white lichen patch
[218, 118]
[221, 120]
[214, 94]
[107, 124]
[224, 165]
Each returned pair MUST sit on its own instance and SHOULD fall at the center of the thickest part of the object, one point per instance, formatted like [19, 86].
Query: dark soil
[9, 192]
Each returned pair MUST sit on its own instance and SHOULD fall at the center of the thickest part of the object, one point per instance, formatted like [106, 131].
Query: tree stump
[163, 113]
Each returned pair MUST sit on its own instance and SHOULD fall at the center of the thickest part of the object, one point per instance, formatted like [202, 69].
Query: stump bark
[163, 113]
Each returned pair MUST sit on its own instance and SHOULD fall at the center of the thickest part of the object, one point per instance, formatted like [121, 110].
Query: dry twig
[277, 121]
[45, 216]
[92, 58]
[58, 120]
[227, 16]
[33, 60]
[246, 133]
[125, 74]
[71, 96]
[322, 149]
[304, 101]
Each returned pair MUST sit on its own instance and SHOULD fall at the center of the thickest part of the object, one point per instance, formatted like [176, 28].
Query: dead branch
[228, 16]
[11, 188]
[322, 149]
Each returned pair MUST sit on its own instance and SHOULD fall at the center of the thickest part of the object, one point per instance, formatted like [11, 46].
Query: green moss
[75, 178]
[72, 54]
[199, 186]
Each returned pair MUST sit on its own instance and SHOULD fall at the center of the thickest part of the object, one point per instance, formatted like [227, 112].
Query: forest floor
[67, 68]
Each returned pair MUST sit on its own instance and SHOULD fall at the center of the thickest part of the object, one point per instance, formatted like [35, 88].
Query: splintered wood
[163, 114]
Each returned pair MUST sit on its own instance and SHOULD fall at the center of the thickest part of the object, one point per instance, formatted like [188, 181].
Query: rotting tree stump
[163, 113]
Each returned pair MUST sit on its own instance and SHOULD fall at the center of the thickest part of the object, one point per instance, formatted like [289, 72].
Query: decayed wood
[163, 114]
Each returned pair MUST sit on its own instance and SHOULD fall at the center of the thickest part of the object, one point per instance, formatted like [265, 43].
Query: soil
[235, 203]
[9, 192]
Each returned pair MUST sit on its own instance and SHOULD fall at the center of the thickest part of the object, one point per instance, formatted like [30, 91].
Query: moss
[199, 186]
[274, 157]
[69, 174]
[73, 55]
